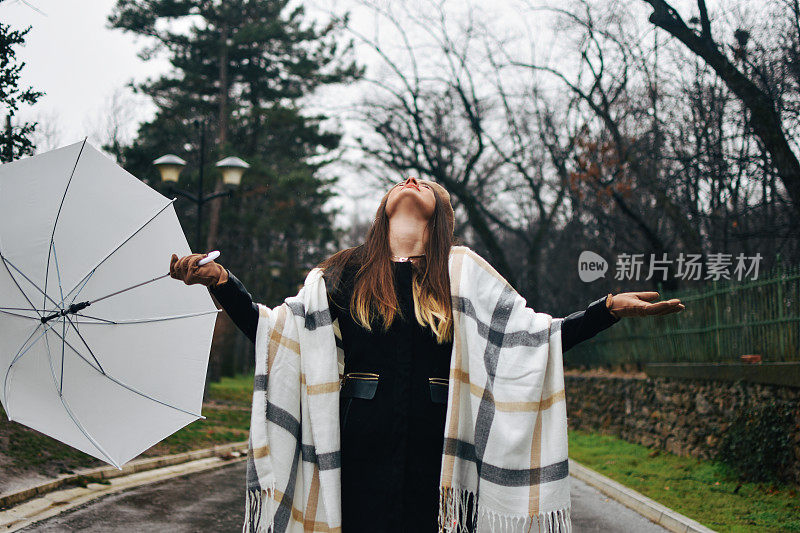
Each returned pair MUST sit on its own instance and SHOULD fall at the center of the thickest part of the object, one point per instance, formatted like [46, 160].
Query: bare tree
[48, 134]
[622, 139]
[441, 124]
[644, 149]
[764, 117]
[112, 127]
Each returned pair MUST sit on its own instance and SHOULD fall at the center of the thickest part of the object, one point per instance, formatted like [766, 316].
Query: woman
[391, 297]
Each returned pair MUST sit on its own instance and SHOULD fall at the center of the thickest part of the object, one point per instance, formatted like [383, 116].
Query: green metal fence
[720, 323]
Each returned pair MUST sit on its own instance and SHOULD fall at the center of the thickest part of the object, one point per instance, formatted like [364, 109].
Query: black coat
[392, 413]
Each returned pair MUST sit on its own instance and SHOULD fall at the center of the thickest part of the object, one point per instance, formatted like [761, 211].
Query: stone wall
[684, 417]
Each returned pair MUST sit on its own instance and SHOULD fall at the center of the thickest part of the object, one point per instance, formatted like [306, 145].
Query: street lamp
[170, 167]
[275, 268]
[232, 169]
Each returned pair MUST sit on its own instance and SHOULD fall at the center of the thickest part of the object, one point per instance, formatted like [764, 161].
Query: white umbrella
[117, 376]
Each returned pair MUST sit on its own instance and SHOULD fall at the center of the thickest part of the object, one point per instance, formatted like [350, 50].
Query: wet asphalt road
[214, 501]
[594, 511]
[208, 502]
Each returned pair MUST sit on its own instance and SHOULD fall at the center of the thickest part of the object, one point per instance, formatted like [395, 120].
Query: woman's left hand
[641, 304]
[186, 269]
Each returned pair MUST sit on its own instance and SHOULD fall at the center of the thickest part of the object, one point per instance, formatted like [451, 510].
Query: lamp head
[170, 167]
[232, 169]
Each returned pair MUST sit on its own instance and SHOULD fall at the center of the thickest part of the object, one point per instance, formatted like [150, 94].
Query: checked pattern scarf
[505, 448]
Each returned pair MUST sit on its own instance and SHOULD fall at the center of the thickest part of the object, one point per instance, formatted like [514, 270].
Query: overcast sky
[72, 55]
[81, 64]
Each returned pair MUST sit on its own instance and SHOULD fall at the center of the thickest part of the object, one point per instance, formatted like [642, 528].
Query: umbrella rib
[104, 321]
[5, 261]
[128, 288]
[61, 383]
[101, 320]
[82, 285]
[18, 355]
[29, 280]
[120, 383]
[58, 273]
[86, 433]
[58, 214]
[84, 343]
[91, 270]
[69, 411]
[36, 318]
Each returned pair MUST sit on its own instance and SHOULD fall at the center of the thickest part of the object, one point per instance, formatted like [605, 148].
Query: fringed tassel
[454, 508]
[454, 517]
[557, 521]
[255, 501]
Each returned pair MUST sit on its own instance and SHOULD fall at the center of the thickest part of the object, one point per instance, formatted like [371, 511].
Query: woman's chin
[413, 206]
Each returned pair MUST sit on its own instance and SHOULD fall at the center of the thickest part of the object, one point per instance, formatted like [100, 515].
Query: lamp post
[170, 167]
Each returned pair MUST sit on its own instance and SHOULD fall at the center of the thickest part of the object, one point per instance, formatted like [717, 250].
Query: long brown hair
[373, 290]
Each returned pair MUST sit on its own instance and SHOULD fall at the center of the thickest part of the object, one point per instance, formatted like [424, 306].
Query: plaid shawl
[506, 428]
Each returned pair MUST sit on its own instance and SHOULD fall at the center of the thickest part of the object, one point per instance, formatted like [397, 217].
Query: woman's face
[412, 197]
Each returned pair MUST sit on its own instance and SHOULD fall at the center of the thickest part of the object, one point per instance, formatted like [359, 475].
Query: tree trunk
[224, 325]
[764, 118]
[222, 138]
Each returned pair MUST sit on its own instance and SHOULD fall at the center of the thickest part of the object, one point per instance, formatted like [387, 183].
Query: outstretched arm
[225, 287]
[608, 310]
[583, 325]
[237, 302]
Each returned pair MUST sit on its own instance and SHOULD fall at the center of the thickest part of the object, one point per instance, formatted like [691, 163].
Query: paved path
[206, 502]
[594, 511]
[214, 502]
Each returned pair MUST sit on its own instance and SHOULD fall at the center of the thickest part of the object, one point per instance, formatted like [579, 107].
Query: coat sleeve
[583, 325]
[239, 305]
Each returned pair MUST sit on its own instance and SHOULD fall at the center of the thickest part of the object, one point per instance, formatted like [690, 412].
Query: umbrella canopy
[99, 347]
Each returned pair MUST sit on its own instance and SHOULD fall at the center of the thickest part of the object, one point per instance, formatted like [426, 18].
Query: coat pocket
[439, 389]
[362, 385]
[359, 385]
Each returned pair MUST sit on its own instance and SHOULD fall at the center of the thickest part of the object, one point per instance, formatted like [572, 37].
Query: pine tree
[242, 66]
[15, 141]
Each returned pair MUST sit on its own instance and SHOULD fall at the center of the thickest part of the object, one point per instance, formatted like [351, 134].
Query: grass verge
[705, 491]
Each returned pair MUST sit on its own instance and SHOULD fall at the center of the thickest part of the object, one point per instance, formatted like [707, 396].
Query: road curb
[109, 472]
[51, 501]
[57, 502]
[650, 509]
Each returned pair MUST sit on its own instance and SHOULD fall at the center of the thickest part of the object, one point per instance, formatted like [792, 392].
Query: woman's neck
[407, 235]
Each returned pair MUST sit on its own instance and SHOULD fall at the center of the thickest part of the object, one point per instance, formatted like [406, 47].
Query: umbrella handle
[210, 257]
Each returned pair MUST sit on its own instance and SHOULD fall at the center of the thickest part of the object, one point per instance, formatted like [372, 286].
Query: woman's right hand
[211, 274]
[641, 304]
